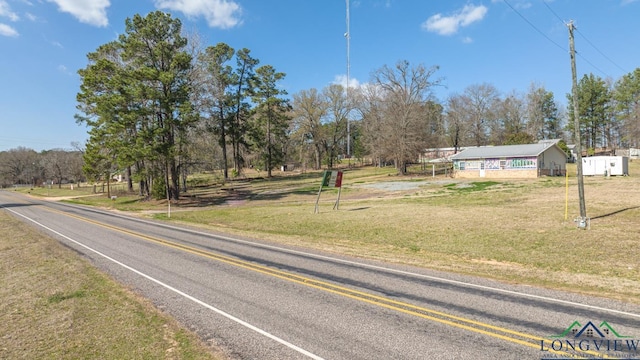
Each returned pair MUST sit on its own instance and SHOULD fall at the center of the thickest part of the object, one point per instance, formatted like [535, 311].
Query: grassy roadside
[55, 305]
[514, 233]
[512, 230]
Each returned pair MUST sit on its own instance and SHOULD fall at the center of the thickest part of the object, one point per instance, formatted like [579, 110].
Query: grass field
[55, 305]
[520, 231]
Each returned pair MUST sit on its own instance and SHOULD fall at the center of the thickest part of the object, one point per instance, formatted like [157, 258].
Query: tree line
[154, 107]
[609, 112]
[159, 106]
[26, 167]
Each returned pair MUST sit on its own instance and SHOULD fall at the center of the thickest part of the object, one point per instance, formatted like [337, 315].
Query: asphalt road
[258, 300]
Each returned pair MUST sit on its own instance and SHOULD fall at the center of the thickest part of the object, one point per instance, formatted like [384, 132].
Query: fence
[430, 169]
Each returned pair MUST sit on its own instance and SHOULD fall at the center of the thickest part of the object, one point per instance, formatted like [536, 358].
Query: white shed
[605, 165]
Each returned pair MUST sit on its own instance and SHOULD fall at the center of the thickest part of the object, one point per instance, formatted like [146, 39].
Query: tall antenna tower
[348, 36]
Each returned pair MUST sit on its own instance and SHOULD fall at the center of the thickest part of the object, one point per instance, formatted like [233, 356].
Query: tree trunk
[223, 145]
[142, 185]
[174, 189]
[268, 147]
[129, 180]
[236, 156]
[317, 152]
[183, 177]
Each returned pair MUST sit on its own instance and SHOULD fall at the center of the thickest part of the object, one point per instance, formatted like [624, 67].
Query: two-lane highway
[259, 300]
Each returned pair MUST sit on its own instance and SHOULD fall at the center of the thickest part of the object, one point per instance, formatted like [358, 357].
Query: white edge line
[375, 267]
[197, 301]
[390, 270]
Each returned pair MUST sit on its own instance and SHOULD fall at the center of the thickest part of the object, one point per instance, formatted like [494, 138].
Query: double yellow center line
[512, 336]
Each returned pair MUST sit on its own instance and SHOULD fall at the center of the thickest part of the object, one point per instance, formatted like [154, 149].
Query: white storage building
[605, 165]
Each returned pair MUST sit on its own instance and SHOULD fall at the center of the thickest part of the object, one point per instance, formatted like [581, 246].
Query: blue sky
[507, 43]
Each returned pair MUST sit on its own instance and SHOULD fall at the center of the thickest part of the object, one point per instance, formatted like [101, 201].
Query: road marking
[375, 267]
[169, 287]
[406, 308]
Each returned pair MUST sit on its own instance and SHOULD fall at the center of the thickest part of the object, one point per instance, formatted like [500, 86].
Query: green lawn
[512, 230]
[55, 305]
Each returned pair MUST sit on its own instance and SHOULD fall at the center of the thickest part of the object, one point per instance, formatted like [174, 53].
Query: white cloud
[5, 11]
[92, 12]
[467, 40]
[6, 30]
[627, 2]
[222, 14]
[342, 80]
[64, 70]
[448, 25]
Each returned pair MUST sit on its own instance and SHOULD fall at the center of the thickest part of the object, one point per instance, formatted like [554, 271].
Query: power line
[586, 39]
[601, 53]
[551, 40]
[534, 27]
[553, 12]
[592, 65]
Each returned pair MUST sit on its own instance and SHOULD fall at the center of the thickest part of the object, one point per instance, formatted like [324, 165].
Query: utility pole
[348, 36]
[582, 221]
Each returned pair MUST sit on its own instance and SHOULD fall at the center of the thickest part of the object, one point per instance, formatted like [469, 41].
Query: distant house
[511, 161]
[572, 153]
[631, 153]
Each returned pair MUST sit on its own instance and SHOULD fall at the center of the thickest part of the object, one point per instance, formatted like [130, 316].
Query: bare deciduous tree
[479, 103]
[369, 105]
[510, 125]
[309, 109]
[335, 126]
[405, 91]
[20, 166]
[457, 121]
[543, 116]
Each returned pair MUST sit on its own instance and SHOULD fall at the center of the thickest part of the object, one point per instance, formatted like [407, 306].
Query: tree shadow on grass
[236, 196]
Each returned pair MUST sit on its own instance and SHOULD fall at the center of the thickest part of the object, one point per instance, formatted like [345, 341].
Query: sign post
[330, 179]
